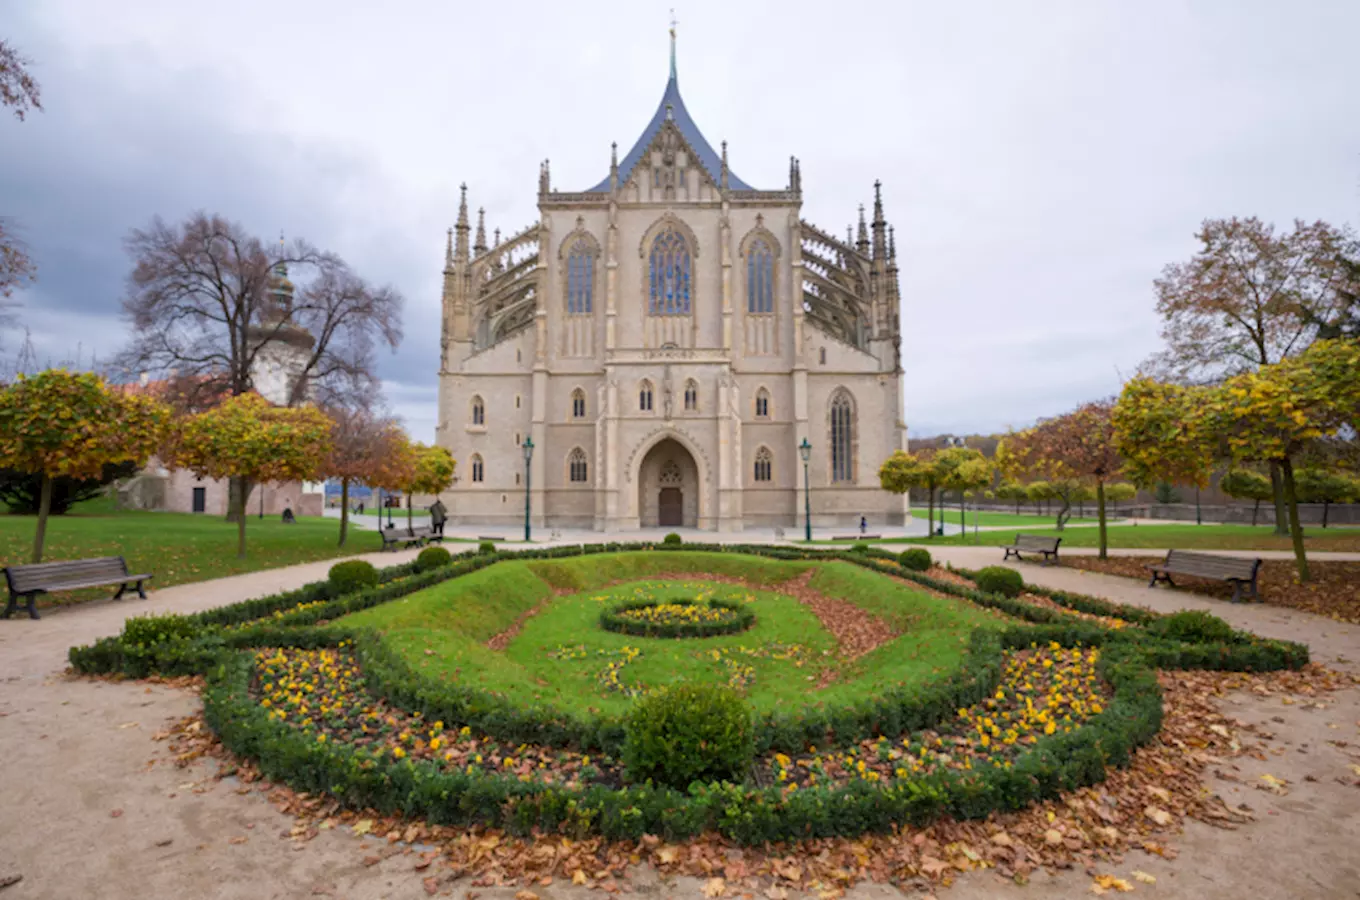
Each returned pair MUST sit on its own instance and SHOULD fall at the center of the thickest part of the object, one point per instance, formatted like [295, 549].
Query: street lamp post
[805, 451]
[528, 455]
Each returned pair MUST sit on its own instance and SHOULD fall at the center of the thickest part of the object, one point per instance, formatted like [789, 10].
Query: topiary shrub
[859, 548]
[917, 559]
[348, 577]
[672, 539]
[432, 558]
[158, 629]
[1000, 580]
[1194, 626]
[690, 732]
[486, 547]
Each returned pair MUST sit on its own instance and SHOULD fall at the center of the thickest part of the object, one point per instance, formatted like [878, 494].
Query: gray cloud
[1041, 163]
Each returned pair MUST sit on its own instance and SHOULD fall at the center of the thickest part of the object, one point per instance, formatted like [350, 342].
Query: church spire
[448, 252]
[461, 249]
[880, 245]
[480, 245]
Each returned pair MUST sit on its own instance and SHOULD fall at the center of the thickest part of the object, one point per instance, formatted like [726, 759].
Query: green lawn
[1179, 536]
[175, 547]
[564, 659]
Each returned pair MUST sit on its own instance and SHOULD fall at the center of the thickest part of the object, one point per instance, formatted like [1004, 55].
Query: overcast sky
[1041, 160]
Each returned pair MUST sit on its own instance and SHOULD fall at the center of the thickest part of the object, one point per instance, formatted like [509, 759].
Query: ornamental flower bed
[702, 617]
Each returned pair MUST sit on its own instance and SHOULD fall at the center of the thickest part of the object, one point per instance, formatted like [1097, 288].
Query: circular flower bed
[678, 619]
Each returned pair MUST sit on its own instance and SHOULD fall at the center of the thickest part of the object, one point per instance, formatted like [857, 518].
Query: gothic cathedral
[670, 340]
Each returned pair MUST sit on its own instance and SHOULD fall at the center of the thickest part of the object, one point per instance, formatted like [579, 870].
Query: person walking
[863, 525]
[438, 515]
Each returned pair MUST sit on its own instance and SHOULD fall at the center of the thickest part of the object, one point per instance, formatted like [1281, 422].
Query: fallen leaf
[1144, 877]
[363, 826]
[715, 887]
[525, 895]
[579, 877]
[1001, 839]
[1160, 816]
[777, 893]
[431, 885]
[1274, 785]
[115, 813]
[239, 839]
[1053, 837]
[1105, 883]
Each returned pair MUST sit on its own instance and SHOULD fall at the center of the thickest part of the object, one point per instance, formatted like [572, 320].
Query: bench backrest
[1211, 564]
[38, 575]
[1037, 542]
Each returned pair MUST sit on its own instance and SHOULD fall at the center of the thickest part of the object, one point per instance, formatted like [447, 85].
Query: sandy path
[76, 751]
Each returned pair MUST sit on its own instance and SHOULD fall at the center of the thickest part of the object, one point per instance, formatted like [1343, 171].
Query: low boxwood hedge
[613, 619]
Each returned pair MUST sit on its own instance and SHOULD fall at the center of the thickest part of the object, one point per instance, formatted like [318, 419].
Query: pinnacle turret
[862, 239]
[480, 245]
[880, 244]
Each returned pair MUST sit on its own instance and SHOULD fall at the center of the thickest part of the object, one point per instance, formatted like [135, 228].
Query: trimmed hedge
[1000, 580]
[688, 733]
[612, 619]
[351, 575]
[432, 558]
[917, 559]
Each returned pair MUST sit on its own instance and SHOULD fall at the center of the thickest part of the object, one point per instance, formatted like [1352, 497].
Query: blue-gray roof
[710, 160]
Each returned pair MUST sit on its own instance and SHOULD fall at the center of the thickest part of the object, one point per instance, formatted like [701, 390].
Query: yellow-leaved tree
[246, 438]
[60, 423]
[432, 473]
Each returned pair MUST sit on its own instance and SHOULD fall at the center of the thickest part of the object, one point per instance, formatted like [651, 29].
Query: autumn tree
[1119, 491]
[1039, 493]
[1161, 433]
[1271, 415]
[396, 470]
[962, 469]
[60, 424]
[1322, 486]
[205, 298]
[1250, 297]
[246, 438]
[431, 474]
[1245, 484]
[1013, 491]
[362, 442]
[903, 471]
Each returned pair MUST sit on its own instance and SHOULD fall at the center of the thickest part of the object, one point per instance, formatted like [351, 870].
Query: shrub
[486, 547]
[1000, 580]
[917, 559]
[690, 732]
[158, 629]
[859, 548]
[348, 577]
[1194, 626]
[432, 558]
[731, 617]
[671, 539]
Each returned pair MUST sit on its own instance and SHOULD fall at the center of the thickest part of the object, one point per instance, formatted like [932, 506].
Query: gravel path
[95, 808]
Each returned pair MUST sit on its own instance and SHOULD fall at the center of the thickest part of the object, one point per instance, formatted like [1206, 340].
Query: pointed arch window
[478, 471]
[842, 437]
[478, 411]
[580, 278]
[576, 466]
[759, 278]
[691, 396]
[764, 464]
[762, 404]
[670, 275]
[578, 404]
[645, 397]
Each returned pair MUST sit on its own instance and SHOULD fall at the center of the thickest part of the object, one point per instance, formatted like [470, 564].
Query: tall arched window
[478, 472]
[578, 404]
[670, 275]
[764, 464]
[759, 277]
[691, 395]
[645, 397]
[842, 437]
[580, 277]
[762, 404]
[576, 466]
[478, 411]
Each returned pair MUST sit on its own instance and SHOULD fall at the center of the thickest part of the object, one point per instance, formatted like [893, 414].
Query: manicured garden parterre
[486, 689]
[1185, 536]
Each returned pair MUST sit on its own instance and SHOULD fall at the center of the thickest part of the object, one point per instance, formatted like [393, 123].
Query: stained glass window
[842, 438]
[759, 278]
[764, 463]
[580, 277]
[576, 465]
[670, 275]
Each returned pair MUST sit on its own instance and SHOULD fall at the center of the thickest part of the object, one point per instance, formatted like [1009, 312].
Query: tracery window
[764, 464]
[576, 466]
[759, 278]
[578, 404]
[842, 437]
[762, 404]
[691, 396]
[477, 470]
[670, 275]
[671, 473]
[580, 277]
[645, 397]
[478, 411]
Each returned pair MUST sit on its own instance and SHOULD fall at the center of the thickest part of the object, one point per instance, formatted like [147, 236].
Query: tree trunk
[241, 521]
[344, 510]
[1255, 510]
[44, 507]
[1100, 512]
[930, 520]
[236, 498]
[963, 515]
[1017, 506]
[1277, 492]
[408, 512]
[1292, 500]
[1326, 504]
[1065, 513]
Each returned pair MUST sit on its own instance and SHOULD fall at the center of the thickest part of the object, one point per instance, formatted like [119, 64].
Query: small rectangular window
[517, 401]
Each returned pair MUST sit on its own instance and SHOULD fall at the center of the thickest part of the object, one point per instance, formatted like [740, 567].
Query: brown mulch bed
[1334, 590]
[1141, 807]
[856, 631]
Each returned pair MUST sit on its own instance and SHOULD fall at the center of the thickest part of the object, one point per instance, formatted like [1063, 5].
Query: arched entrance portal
[668, 487]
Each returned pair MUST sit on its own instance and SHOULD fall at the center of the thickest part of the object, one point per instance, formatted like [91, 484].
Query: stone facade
[668, 339]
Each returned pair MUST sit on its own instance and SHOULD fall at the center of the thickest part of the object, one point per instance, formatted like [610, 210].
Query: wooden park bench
[482, 537]
[408, 537]
[68, 575]
[1034, 543]
[1236, 570]
[857, 537]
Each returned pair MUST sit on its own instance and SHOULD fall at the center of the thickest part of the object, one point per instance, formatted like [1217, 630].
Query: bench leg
[1159, 576]
[1008, 555]
[9, 606]
[1237, 592]
[141, 591]
[122, 588]
[33, 605]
